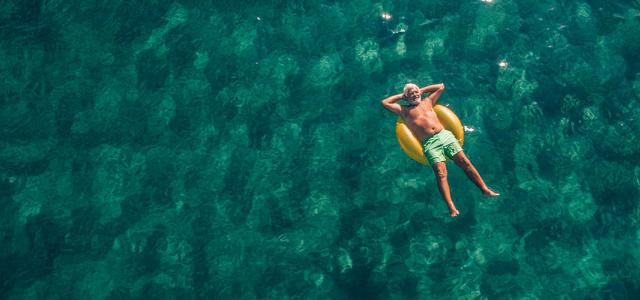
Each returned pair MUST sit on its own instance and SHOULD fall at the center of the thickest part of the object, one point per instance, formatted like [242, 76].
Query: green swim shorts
[441, 146]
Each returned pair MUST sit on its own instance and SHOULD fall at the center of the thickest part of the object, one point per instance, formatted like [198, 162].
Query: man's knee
[462, 161]
[440, 170]
[465, 164]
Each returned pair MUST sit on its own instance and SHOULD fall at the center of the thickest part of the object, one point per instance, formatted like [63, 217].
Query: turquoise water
[238, 150]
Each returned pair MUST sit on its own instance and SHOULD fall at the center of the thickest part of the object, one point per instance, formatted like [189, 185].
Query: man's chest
[423, 111]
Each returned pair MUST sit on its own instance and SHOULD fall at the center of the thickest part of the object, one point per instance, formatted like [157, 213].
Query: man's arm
[435, 90]
[390, 104]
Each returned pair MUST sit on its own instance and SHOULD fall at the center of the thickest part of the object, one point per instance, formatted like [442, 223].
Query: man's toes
[491, 193]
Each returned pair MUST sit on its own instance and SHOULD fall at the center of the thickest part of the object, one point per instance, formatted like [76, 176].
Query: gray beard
[414, 102]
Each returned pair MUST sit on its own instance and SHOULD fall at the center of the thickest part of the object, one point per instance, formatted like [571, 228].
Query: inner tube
[413, 147]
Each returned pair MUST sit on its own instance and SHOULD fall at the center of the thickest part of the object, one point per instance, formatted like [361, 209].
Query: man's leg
[440, 170]
[465, 164]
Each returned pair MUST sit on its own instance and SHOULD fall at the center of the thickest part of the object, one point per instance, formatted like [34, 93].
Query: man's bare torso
[422, 120]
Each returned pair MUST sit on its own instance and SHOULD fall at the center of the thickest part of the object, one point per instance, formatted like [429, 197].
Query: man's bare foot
[454, 212]
[490, 193]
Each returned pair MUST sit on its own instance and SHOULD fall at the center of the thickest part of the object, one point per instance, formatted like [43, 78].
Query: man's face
[413, 96]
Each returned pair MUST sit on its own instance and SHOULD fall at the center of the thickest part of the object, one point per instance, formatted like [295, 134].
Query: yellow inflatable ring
[410, 144]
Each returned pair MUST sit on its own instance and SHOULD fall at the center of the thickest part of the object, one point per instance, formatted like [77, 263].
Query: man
[439, 143]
